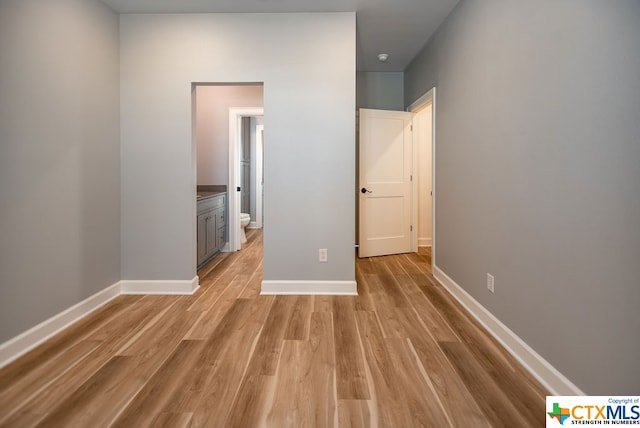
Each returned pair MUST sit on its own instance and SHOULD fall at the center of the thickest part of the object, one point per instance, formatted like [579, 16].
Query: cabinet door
[202, 237]
[218, 214]
[211, 234]
[221, 220]
[220, 237]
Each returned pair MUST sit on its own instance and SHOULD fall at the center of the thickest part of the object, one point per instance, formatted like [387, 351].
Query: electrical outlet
[490, 280]
[323, 255]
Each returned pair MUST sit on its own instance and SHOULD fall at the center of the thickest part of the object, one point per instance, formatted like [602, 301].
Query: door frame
[428, 97]
[235, 131]
[259, 176]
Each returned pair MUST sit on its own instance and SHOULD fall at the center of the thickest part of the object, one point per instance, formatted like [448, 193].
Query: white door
[385, 164]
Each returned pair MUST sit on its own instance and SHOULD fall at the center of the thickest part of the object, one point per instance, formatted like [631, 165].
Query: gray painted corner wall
[538, 175]
[59, 158]
[380, 90]
[307, 64]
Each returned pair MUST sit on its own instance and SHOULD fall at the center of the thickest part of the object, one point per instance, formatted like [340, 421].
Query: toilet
[244, 222]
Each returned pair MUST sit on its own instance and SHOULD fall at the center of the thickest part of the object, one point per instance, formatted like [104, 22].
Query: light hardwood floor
[402, 353]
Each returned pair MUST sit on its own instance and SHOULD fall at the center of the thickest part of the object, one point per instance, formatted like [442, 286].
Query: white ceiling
[399, 28]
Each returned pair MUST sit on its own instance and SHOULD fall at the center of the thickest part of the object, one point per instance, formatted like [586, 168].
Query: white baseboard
[160, 287]
[540, 368]
[253, 225]
[333, 288]
[23, 343]
[425, 242]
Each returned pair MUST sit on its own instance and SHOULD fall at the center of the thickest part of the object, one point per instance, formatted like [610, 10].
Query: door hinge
[411, 177]
[410, 228]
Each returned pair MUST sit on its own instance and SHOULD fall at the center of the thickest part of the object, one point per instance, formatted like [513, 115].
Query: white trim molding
[425, 242]
[25, 342]
[423, 100]
[331, 288]
[540, 368]
[160, 287]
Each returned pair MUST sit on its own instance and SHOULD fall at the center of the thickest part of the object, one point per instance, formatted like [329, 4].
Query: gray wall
[538, 175]
[380, 90]
[59, 158]
[309, 100]
[212, 127]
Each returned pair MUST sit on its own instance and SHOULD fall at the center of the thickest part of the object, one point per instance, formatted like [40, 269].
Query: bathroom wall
[59, 158]
[307, 64]
[212, 127]
[538, 175]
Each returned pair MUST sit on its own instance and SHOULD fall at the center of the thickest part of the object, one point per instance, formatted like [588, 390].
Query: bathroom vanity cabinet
[212, 225]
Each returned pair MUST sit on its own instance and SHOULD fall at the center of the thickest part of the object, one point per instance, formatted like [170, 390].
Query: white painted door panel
[385, 163]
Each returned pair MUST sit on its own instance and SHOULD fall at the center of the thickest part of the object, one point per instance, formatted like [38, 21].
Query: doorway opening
[246, 144]
[225, 120]
[424, 164]
[397, 179]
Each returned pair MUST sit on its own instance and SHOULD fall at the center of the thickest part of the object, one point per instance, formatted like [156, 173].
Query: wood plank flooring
[402, 353]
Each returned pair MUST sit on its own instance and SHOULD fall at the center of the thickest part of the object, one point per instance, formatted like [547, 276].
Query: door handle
[364, 190]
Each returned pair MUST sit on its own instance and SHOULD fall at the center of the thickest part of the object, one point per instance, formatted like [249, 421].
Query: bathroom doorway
[218, 161]
[246, 148]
